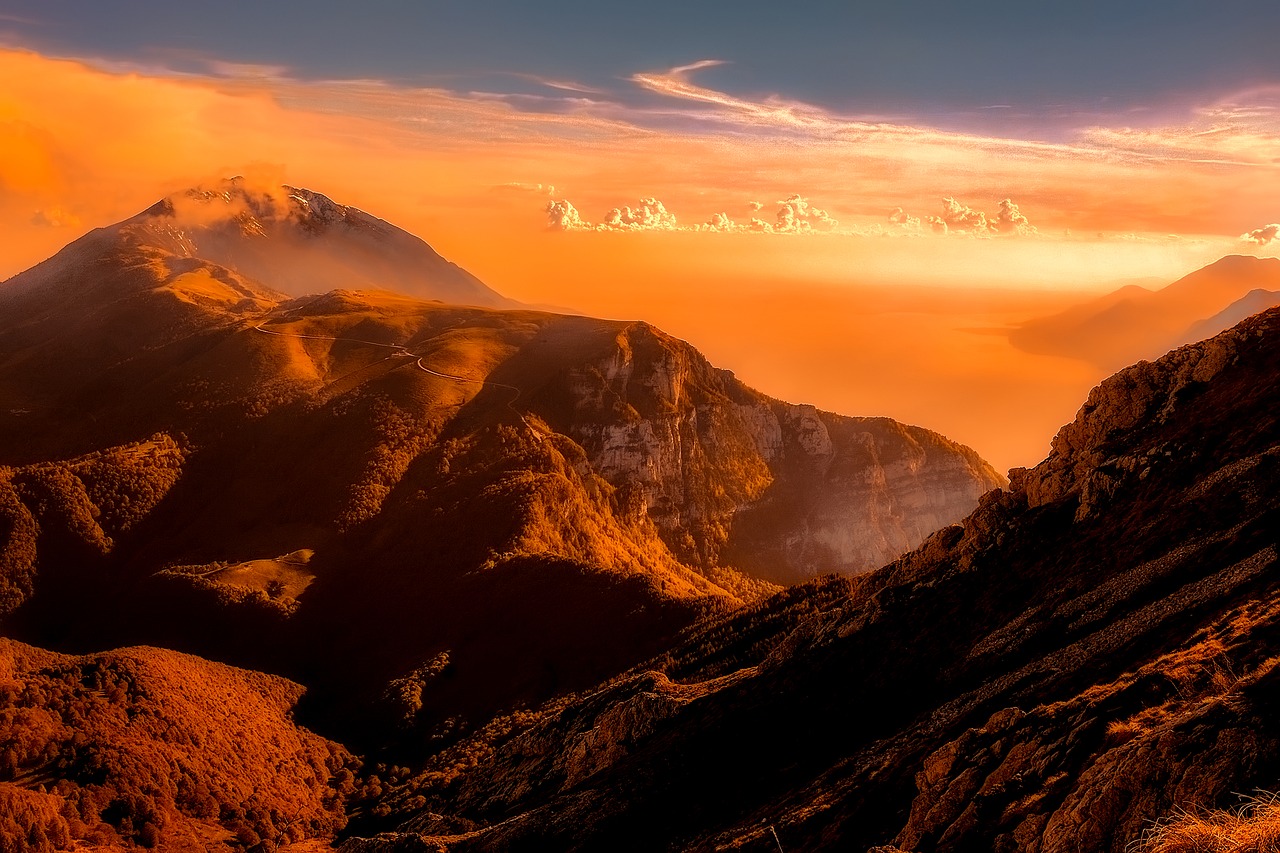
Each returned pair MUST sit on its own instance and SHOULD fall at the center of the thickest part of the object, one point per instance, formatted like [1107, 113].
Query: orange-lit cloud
[99, 143]
[957, 218]
[55, 217]
[795, 215]
[649, 214]
[1263, 236]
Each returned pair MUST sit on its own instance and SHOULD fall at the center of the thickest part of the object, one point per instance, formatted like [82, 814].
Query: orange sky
[800, 315]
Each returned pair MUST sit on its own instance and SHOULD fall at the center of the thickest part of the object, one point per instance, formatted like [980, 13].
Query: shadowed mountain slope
[1091, 650]
[361, 488]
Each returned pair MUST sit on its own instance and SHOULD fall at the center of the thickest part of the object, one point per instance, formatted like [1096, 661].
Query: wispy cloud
[247, 70]
[523, 187]
[676, 83]
[9, 18]
[562, 85]
[1241, 129]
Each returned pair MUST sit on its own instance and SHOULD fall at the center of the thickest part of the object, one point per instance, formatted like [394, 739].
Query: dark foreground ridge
[1091, 650]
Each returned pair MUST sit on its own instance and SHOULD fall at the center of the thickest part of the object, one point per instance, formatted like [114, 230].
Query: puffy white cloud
[1264, 235]
[720, 222]
[563, 216]
[904, 220]
[756, 206]
[959, 218]
[649, 215]
[962, 218]
[1010, 220]
[795, 213]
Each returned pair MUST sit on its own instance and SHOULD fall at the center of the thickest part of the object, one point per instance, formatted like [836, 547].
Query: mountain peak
[238, 199]
[1238, 262]
[301, 242]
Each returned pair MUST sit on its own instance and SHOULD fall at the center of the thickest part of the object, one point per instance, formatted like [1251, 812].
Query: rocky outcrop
[730, 476]
[1089, 454]
[1080, 657]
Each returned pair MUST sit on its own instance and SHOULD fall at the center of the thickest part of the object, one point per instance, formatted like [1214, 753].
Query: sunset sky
[838, 201]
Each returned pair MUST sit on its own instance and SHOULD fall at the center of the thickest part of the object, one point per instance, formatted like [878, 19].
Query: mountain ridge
[182, 432]
[1089, 651]
[370, 495]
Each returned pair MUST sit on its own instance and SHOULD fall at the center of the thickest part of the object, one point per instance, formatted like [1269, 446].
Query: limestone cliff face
[731, 477]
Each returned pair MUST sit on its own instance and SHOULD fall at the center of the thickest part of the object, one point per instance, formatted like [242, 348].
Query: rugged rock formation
[729, 476]
[1089, 651]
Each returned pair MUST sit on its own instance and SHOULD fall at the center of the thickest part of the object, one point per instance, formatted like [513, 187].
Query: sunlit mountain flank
[501, 427]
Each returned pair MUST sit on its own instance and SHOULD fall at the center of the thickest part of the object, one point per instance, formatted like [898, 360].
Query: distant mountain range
[1135, 323]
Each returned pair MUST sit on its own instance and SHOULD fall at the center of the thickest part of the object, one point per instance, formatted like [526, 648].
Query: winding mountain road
[401, 350]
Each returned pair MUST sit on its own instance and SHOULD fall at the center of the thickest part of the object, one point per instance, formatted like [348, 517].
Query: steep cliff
[1090, 651]
[730, 476]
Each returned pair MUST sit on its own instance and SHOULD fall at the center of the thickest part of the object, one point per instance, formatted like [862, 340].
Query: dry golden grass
[1254, 827]
[282, 577]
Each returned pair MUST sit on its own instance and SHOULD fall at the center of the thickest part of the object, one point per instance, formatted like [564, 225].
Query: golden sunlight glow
[722, 188]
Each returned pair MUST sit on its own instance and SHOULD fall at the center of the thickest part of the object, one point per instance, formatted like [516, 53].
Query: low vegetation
[1252, 827]
[157, 749]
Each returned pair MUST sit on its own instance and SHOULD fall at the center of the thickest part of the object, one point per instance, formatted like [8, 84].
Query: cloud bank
[957, 218]
[795, 215]
[648, 215]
